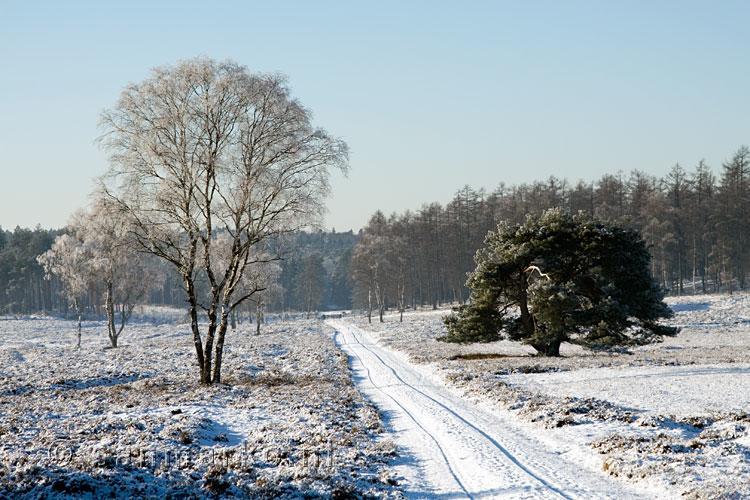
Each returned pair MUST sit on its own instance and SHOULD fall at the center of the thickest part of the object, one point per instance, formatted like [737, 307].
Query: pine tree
[734, 207]
[570, 279]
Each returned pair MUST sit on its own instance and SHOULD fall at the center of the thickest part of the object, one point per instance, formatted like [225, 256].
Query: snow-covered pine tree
[561, 278]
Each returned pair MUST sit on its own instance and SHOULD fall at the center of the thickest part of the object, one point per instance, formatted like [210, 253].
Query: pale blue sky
[429, 95]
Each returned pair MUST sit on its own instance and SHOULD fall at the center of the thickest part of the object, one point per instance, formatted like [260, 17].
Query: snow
[459, 448]
[671, 418]
[485, 420]
[133, 421]
[677, 390]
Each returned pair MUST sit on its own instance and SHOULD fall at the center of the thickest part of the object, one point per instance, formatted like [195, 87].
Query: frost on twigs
[209, 163]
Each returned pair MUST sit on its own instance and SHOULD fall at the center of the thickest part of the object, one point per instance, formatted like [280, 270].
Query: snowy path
[458, 449]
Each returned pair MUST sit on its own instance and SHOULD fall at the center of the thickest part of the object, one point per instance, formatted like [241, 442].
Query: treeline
[23, 288]
[314, 275]
[315, 271]
[695, 223]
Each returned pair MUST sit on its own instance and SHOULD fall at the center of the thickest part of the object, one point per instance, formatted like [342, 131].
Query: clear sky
[429, 95]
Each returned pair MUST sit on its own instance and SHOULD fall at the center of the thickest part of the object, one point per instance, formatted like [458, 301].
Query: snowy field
[132, 421]
[683, 391]
[670, 417]
[664, 420]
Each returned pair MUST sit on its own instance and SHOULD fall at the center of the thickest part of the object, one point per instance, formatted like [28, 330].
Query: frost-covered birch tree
[202, 148]
[97, 254]
[370, 266]
[125, 275]
[310, 284]
[71, 260]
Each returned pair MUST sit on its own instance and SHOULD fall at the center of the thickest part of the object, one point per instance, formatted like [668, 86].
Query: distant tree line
[696, 225]
[313, 275]
[315, 271]
[23, 288]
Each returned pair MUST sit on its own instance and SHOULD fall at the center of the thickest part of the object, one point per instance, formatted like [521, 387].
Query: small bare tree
[370, 273]
[71, 261]
[97, 252]
[125, 274]
[265, 278]
[400, 268]
[364, 274]
[203, 148]
[371, 267]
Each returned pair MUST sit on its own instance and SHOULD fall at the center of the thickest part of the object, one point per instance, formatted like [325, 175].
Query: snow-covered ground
[666, 420]
[677, 390]
[670, 418]
[458, 449]
[132, 421]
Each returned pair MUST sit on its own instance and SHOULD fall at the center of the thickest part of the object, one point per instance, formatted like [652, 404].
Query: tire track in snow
[426, 432]
[509, 456]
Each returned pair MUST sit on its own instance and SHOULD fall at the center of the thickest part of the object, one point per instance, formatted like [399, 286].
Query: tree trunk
[549, 348]
[380, 297]
[369, 305]
[222, 330]
[402, 303]
[208, 350]
[527, 322]
[125, 312]
[110, 309]
[78, 308]
[193, 313]
[258, 317]
[695, 264]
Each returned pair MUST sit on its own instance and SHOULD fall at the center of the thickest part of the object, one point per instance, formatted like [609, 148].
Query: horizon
[429, 98]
